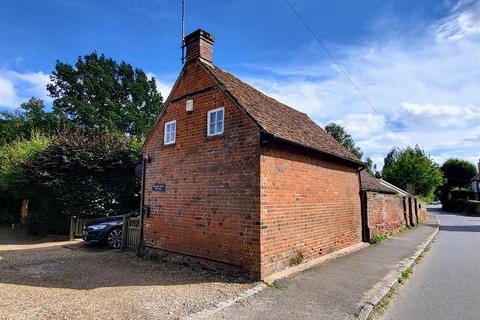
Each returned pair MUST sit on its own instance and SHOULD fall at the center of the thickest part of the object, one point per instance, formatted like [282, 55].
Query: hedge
[473, 207]
[454, 205]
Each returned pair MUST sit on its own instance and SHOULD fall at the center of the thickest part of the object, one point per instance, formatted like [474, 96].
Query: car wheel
[114, 238]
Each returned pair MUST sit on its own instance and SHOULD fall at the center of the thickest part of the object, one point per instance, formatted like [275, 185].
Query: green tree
[99, 93]
[458, 172]
[371, 167]
[13, 158]
[413, 171]
[339, 133]
[30, 117]
[11, 127]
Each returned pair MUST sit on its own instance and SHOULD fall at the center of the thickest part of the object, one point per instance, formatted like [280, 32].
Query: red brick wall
[210, 208]
[309, 207]
[422, 210]
[385, 213]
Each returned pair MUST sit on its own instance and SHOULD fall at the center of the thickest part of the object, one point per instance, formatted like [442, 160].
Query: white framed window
[215, 121]
[170, 132]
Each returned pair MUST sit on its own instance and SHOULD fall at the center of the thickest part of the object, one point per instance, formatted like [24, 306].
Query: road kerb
[381, 289]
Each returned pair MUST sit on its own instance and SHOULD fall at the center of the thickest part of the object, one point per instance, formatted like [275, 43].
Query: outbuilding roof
[370, 183]
[277, 119]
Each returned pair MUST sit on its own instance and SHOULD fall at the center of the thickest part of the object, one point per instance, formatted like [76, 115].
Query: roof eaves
[394, 187]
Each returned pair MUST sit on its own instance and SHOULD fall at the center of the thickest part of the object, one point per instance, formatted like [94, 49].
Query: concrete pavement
[334, 289]
[446, 285]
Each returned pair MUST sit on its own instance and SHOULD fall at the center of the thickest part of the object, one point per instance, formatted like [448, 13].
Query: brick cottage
[238, 177]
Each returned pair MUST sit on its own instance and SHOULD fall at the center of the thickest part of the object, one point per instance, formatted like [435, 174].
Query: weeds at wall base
[276, 285]
[378, 238]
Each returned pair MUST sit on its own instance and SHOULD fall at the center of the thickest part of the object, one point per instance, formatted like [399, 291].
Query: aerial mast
[183, 31]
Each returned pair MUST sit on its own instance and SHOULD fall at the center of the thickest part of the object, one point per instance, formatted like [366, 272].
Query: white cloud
[425, 87]
[461, 24]
[17, 87]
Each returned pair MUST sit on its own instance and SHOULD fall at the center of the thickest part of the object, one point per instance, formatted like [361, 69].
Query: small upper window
[170, 130]
[215, 121]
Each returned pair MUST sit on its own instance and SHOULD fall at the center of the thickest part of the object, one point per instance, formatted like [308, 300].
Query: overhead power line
[345, 73]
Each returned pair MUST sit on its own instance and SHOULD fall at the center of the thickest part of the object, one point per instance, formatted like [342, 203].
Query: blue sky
[417, 61]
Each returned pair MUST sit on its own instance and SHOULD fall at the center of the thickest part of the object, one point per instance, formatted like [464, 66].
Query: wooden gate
[76, 227]
[132, 232]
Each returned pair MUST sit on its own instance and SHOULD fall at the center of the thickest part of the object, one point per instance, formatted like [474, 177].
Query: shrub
[454, 205]
[473, 207]
[83, 175]
[14, 156]
[9, 209]
[461, 193]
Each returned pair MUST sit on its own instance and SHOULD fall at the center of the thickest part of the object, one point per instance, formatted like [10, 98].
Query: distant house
[475, 184]
[240, 178]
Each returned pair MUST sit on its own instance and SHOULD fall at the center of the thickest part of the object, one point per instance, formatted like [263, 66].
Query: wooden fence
[76, 227]
[133, 232]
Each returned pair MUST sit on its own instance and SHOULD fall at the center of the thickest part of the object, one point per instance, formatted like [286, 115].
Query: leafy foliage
[99, 93]
[30, 117]
[458, 172]
[88, 174]
[14, 157]
[339, 133]
[371, 167]
[78, 159]
[413, 171]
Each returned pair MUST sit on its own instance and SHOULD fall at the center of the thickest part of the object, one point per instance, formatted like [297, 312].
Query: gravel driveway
[68, 280]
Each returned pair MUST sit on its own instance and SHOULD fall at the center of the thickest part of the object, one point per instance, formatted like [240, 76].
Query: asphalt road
[446, 285]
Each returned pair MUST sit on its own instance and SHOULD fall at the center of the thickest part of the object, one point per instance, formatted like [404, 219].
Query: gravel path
[64, 280]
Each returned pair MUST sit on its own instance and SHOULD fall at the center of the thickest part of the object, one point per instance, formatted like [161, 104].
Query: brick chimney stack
[199, 46]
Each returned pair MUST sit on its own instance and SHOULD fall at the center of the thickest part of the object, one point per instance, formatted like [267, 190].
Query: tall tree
[99, 93]
[458, 172]
[371, 167]
[29, 118]
[412, 170]
[339, 133]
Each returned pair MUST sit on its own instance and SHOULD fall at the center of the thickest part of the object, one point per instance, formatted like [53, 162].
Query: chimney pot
[199, 46]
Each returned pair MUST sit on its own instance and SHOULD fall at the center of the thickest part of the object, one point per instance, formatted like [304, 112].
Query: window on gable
[215, 121]
[170, 130]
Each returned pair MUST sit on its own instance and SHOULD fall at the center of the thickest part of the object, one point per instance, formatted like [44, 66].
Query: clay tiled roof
[278, 119]
[370, 183]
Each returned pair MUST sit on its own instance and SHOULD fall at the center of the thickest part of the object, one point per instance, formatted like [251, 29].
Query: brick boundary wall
[385, 213]
[422, 210]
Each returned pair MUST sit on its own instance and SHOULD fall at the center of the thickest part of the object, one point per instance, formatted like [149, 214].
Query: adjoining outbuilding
[387, 207]
[238, 177]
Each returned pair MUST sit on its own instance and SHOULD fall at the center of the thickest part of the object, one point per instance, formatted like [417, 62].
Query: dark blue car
[106, 230]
